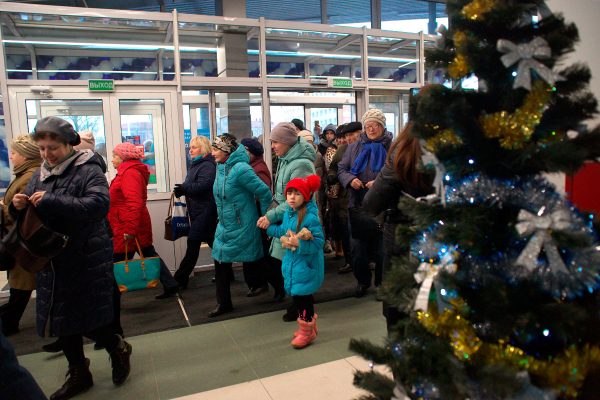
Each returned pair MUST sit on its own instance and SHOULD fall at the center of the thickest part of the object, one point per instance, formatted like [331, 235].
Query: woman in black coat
[75, 291]
[198, 191]
[402, 173]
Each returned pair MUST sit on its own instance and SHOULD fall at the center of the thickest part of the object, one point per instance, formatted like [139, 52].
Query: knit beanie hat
[352, 127]
[298, 123]
[307, 135]
[306, 186]
[339, 131]
[59, 127]
[226, 143]
[88, 142]
[253, 146]
[284, 132]
[25, 146]
[128, 151]
[374, 115]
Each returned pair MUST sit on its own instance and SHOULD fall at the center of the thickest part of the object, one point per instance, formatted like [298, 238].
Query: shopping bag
[177, 223]
[138, 273]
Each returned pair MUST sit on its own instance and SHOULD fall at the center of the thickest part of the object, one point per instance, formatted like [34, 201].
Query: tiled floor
[245, 358]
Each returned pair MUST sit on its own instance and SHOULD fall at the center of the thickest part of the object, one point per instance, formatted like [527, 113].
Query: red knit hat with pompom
[306, 186]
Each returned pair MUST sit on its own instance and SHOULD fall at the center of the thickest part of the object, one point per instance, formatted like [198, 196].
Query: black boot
[79, 379]
[54, 347]
[170, 292]
[220, 309]
[119, 359]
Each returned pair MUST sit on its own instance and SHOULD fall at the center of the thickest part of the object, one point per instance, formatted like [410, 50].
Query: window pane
[142, 124]
[84, 115]
[357, 15]
[412, 15]
[306, 11]
[286, 114]
[324, 116]
[238, 114]
[390, 105]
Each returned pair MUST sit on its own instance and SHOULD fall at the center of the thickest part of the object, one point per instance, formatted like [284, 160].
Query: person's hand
[36, 198]
[178, 190]
[20, 201]
[1, 203]
[356, 184]
[263, 222]
[369, 184]
[127, 236]
[293, 240]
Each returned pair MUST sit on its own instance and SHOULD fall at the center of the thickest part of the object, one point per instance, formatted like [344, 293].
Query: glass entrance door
[84, 115]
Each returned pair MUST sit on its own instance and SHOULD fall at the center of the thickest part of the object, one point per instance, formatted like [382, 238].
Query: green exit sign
[101, 85]
[339, 83]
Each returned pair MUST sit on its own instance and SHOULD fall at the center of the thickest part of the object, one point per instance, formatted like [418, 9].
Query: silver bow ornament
[527, 54]
[540, 226]
[427, 273]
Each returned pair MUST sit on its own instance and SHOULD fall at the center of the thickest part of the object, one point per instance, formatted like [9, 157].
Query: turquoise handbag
[137, 274]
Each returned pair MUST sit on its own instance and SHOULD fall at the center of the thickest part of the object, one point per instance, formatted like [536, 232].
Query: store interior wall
[584, 13]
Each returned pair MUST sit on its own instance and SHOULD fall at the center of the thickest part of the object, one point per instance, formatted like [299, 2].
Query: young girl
[302, 238]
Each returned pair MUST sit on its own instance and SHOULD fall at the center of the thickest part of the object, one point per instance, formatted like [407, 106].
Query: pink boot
[306, 334]
[314, 318]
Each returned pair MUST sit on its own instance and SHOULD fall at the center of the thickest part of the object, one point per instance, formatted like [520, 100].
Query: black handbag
[31, 243]
[362, 225]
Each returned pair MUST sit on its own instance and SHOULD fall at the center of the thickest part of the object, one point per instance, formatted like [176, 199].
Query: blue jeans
[15, 381]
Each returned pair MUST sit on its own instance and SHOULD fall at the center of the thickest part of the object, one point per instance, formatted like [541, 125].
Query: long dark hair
[406, 151]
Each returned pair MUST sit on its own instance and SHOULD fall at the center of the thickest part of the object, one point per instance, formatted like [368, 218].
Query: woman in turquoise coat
[237, 239]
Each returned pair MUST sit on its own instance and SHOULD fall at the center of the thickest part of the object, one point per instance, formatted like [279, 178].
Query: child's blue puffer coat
[303, 269]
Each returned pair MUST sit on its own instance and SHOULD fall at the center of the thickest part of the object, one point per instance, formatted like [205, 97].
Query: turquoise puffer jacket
[298, 162]
[303, 269]
[237, 239]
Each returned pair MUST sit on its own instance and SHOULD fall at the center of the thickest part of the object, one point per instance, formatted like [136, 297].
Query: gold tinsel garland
[515, 130]
[446, 138]
[564, 373]
[477, 8]
[459, 67]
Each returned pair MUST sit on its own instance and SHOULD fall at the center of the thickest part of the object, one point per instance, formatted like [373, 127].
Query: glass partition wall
[228, 74]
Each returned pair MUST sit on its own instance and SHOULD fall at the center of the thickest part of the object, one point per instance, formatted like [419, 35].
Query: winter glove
[178, 190]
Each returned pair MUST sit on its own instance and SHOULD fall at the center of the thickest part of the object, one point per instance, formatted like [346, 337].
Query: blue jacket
[198, 191]
[303, 270]
[236, 185]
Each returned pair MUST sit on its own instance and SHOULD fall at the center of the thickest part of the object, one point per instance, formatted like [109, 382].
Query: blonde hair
[203, 143]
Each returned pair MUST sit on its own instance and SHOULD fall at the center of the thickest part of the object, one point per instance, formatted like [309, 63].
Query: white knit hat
[374, 114]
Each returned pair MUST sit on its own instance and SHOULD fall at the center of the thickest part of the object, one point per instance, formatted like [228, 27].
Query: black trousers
[223, 273]
[273, 274]
[254, 274]
[72, 345]
[363, 250]
[186, 267]
[14, 309]
[305, 306]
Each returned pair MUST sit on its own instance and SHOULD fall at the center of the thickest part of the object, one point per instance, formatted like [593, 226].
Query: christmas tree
[501, 286]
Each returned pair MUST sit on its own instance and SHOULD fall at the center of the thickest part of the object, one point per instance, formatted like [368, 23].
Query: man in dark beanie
[255, 151]
[295, 160]
[351, 131]
[298, 123]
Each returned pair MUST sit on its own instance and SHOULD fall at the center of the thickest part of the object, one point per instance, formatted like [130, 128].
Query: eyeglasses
[371, 127]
